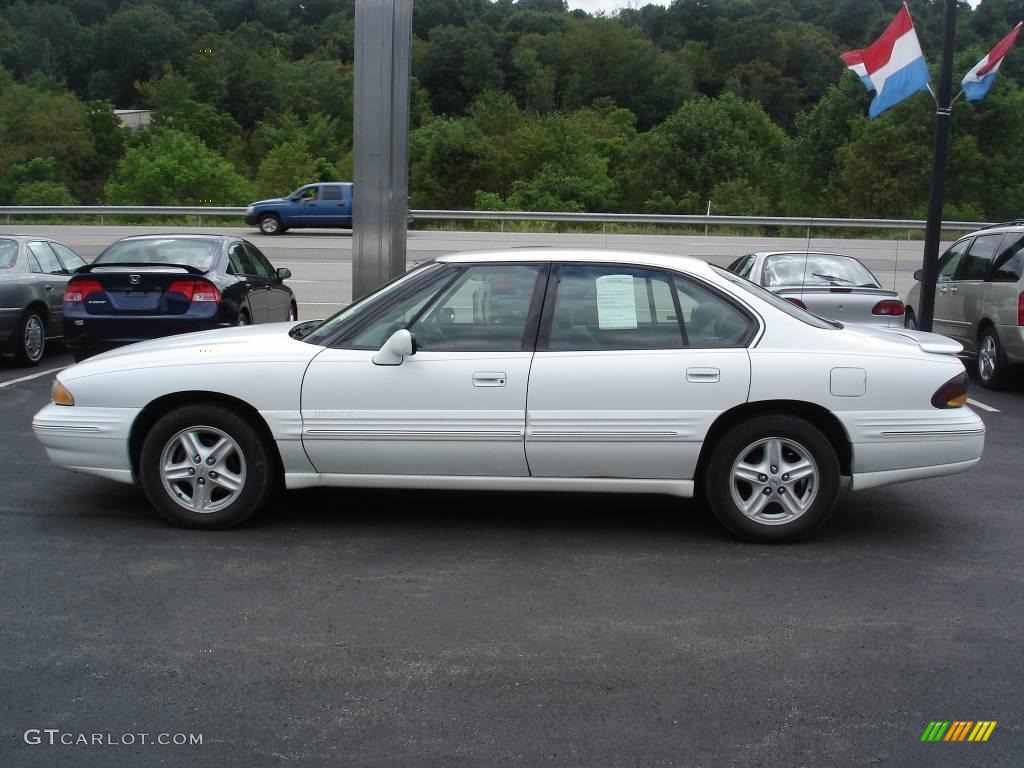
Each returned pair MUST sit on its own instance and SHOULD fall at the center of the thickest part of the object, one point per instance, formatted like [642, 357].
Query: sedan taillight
[1020, 309]
[77, 289]
[952, 394]
[195, 290]
[889, 307]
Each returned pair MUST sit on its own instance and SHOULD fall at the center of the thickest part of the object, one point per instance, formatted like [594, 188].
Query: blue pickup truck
[327, 204]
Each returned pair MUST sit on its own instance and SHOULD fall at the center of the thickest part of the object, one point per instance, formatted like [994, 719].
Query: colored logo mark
[958, 730]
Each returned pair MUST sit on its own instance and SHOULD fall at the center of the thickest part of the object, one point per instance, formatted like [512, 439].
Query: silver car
[827, 284]
[33, 273]
[979, 299]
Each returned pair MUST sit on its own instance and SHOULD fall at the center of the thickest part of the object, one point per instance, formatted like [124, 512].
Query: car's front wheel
[205, 466]
[772, 479]
[270, 224]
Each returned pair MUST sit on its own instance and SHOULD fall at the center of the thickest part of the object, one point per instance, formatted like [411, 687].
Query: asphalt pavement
[359, 628]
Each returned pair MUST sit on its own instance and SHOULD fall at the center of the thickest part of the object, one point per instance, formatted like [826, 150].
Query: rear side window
[613, 308]
[332, 193]
[1009, 264]
[71, 260]
[709, 321]
[8, 253]
[46, 258]
[979, 257]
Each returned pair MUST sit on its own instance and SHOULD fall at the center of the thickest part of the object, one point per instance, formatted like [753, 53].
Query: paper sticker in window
[616, 302]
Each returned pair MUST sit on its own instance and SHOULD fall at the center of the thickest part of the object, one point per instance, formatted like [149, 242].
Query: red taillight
[952, 394]
[1020, 309]
[890, 307]
[195, 290]
[77, 289]
[796, 302]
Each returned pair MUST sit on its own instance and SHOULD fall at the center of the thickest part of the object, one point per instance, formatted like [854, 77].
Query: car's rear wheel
[204, 466]
[293, 312]
[772, 479]
[993, 369]
[270, 224]
[243, 318]
[910, 320]
[31, 344]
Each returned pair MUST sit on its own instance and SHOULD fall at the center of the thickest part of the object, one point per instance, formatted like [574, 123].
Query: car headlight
[60, 394]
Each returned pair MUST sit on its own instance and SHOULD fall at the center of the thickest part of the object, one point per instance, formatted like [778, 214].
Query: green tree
[44, 193]
[285, 168]
[169, 167]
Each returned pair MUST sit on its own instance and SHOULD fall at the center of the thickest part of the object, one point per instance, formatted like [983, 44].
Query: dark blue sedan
[149, 286]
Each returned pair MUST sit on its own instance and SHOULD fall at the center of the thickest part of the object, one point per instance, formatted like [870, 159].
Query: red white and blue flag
[854, 61]
[894, 64]
[977, 82]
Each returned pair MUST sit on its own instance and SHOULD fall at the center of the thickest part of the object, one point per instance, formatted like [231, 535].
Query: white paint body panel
[616, 421]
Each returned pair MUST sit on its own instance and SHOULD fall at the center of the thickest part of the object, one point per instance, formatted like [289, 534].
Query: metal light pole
[933, 231]
[380, 206]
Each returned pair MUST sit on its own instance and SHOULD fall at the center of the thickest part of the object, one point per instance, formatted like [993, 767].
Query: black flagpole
[933, 231]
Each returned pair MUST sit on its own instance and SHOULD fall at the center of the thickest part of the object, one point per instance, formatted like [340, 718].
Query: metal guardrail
[804, 222]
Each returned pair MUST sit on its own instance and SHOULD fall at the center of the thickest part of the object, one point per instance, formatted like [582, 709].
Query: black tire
[993, 370]
[910, 320]
[270, 224]
[771, 525]
[30, 345]
[243, 319]
[293, 313]
[250, 459]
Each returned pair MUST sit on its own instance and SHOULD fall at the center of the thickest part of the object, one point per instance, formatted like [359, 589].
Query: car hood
[269, 342]
[270, 201]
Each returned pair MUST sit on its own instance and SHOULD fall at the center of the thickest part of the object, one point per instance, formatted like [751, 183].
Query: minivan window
[1009, 265]
[979, 257]
[950, 260]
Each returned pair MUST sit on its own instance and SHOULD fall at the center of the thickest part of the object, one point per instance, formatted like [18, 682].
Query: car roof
[176, 236]
[600, 256]
[28, 237]
[802, 253]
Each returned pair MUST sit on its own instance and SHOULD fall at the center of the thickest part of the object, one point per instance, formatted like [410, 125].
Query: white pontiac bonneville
[533, 369]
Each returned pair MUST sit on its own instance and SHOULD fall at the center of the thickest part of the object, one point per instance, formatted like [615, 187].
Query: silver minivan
[979, 299]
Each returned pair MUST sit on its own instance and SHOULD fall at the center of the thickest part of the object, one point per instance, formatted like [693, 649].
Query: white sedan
[544, 370]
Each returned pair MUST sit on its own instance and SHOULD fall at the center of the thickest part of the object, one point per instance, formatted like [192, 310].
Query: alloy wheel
[35, 338]
[774, 481]
[987, 358]
[202, 469]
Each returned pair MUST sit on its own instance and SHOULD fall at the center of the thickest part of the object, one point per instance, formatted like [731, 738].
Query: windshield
[8, 253]
[188, 252]
[328, 327]
[816, 269]
[778, 302]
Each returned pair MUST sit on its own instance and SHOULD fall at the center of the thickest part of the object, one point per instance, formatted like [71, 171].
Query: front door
[241, 264]
[455, 407]
[277, 300]
[632, 368]
[944, 318]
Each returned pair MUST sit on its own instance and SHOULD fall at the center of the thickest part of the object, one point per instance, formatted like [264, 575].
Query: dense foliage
[517, 105]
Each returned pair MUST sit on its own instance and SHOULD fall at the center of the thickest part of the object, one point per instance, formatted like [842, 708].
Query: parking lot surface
[358, 628]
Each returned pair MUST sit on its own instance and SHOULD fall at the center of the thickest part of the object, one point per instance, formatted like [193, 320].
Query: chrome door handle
[953, 289]
[943, 289]
[49, 287]
[489, 379]
[703, 375]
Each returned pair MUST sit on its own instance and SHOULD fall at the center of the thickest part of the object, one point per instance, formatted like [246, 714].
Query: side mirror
[918, 274]
[283, 273]
[400, 345]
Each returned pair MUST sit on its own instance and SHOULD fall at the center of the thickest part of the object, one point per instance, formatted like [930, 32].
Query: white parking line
[976, 404]
[31, 376]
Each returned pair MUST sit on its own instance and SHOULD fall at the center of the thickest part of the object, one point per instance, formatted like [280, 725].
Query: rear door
[632, 367]
[967, 293]
[278, 299]
[53, 277]
[240, 263]
[331, 207]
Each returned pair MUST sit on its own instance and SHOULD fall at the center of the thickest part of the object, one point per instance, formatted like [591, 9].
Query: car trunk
[136, 290]
[842, 303]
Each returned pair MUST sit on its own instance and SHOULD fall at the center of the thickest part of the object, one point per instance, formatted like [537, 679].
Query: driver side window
[950, 260]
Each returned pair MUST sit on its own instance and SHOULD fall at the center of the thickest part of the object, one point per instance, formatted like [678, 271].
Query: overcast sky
[592, 6]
